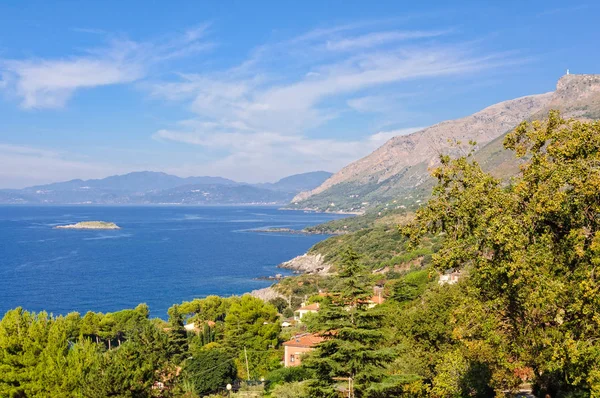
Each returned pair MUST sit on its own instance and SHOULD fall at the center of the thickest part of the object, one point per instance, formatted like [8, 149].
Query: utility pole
[349, 387]
[247, 369]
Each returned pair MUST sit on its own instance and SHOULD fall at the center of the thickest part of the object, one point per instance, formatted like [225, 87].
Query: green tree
[210, 371]
[280, 303]
[253, 325]
[177, 334]
[353, 339]
[531, 250]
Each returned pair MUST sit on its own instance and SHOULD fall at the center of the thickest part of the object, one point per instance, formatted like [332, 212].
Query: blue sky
[257, 90]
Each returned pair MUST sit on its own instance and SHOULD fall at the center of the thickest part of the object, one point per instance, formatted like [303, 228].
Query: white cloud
[382, 137]
[267, 116]
[257, 157]
[50, 83]
[260, 114]
[379, 38]
[261, 101]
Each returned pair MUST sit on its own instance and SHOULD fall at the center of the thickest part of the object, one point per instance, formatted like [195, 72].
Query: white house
[305, 309]
[449, 277]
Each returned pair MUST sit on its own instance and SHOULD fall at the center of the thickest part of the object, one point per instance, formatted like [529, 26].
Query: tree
[132, 368]
[253, 325]
[352, 348]
[531, 250]
[210, 371]
[280, 303]
[177, 334]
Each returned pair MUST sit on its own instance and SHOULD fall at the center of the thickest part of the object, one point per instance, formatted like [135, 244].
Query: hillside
[397, 173]
[148, 187]
[299, 182]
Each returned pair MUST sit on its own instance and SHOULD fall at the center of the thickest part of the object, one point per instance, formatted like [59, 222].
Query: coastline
[304, 264]
[309, 210]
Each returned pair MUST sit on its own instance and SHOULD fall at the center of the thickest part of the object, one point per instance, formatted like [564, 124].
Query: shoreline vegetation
[290, 231]
[450, 301]
[326, 211]
[89, 225]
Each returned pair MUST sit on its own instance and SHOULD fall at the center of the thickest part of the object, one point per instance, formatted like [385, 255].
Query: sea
[160, 256]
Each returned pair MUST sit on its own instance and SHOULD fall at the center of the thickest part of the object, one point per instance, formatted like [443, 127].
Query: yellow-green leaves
[531, 249]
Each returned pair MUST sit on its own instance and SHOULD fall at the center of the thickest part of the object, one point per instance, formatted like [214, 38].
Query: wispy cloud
[50, 83]
[380, 38]
[263, 117]
[260, 114]
[267, 156]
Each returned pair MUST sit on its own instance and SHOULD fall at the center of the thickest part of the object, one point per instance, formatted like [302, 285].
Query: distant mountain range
[397, 174]
[147, 187]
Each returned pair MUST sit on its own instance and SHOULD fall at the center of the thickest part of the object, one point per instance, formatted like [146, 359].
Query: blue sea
[160, 256]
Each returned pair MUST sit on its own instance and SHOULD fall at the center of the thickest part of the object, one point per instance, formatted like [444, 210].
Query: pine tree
[177, 335]
[352, 348]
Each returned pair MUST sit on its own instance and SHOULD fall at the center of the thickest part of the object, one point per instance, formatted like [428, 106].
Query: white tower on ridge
[567, 71]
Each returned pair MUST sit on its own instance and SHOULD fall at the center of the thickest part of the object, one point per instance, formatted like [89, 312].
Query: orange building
[297, 346]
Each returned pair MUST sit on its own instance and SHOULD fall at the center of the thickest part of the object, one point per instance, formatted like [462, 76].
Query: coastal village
[299, 199]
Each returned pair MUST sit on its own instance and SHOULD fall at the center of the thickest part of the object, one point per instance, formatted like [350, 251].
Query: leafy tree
[531, 250]
[210, 370]
[253, 325]
[410, 286]
[280, 303]
[132, 369]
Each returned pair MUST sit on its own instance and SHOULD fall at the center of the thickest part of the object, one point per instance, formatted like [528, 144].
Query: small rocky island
[89, 225]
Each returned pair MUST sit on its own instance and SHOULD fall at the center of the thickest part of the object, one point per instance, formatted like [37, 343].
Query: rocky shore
[307, 264]
[304, 264]
[266, 294]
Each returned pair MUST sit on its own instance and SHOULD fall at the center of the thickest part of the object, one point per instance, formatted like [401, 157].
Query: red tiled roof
[304, 340]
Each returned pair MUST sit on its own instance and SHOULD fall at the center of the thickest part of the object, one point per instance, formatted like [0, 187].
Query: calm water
[161, 256]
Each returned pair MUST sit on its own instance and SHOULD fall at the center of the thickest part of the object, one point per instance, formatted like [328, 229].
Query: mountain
[132, 182]
[299, 182]
[397, 173]
[147, 187]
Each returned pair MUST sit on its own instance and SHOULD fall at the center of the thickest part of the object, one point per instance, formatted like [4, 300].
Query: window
[292, 358]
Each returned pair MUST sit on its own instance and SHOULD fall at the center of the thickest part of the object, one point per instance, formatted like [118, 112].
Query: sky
[258, 90]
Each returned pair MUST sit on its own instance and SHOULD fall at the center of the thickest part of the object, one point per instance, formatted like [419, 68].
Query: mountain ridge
[399, 169]
[149, 187]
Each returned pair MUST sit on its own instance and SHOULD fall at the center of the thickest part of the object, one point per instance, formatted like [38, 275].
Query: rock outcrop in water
[90, 225]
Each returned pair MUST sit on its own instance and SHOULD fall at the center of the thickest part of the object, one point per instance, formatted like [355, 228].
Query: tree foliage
[210, 371]
[352, 346]
[531, 250]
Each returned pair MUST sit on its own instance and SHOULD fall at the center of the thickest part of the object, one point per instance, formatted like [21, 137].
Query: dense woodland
[526, 308]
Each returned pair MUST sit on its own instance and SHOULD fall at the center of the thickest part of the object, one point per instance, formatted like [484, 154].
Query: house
[305, 309]
[297, 346]
[377, 297]
[449, 277]
[375, 300]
